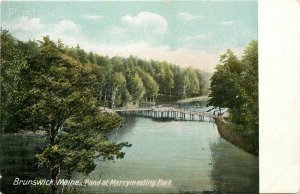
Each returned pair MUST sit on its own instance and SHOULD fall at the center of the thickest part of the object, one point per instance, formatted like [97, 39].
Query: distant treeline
[127, 80]
[113, 82]
[136, 80]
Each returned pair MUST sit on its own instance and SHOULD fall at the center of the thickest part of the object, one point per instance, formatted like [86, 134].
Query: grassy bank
[239, 140]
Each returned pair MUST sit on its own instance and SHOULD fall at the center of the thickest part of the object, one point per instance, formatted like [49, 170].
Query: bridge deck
[168, 112]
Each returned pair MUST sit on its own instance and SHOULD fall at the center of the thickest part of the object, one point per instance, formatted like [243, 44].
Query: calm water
[189, 153]
[17, 159]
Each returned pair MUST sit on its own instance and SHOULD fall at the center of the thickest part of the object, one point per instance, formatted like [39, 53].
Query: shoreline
[194, 99]
[233, 137]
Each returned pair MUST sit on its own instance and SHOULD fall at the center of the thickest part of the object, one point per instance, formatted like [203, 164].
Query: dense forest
[117, 81]
[234, 85]
[126, 80]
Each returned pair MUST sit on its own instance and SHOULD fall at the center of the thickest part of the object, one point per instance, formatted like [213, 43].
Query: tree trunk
[100, 94]
[53, 174]
[184, 91]
[113, 96]
[52, 134]
[54, 167]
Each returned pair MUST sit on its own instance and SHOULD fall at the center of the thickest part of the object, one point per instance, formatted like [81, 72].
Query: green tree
[62, 102]
[118, 86]
[136, 87]
[151, 87]
[202, 82]
[104, 75]
[225, 89]
[91, 58]
[166, 79]
[14, 92]
[234, 85]
[191, 82]
[82, 141]
[249, 85]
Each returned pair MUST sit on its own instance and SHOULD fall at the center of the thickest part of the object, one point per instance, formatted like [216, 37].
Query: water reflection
[190, 153]
[176, 150]
[233, 170]
[128, 125]
[18, 161]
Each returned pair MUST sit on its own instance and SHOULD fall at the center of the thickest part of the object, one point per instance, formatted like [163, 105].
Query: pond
[189, 154]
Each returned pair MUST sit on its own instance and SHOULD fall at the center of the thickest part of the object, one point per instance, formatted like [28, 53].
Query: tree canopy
[234, 85]
[46, 89]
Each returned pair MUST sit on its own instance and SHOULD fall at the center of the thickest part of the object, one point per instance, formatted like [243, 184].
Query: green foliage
[45, 88]
[159, 79]
[225, 84]
[81, 142]
[136, 87]
[13, 82]
[118, 88]
[151, 87]
[166, 79]
[234, 85]
[64, 106]
[250, 86]
[191, 82]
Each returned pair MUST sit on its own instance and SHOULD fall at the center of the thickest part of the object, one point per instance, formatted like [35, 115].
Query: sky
[186, 33]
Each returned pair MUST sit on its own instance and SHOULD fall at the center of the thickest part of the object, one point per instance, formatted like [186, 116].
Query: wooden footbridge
[168, 113]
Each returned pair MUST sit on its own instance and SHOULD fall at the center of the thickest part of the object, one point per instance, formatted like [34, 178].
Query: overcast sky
[192, 33]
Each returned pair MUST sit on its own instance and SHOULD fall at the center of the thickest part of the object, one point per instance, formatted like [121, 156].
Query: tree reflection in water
[17, 160]
[234, 171]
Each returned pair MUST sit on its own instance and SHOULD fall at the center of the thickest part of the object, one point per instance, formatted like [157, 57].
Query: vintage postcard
[129, 97]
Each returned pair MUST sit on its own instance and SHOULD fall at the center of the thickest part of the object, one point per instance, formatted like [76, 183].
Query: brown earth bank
[234, 137]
